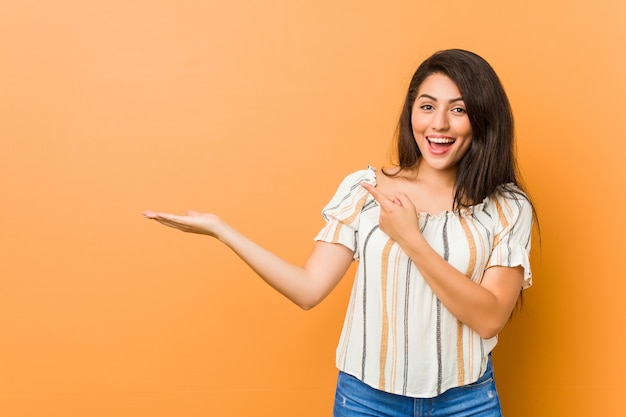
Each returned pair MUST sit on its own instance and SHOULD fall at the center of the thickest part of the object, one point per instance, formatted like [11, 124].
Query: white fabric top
[397, 336]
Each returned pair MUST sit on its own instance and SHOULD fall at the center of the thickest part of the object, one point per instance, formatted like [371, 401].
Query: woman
[442, 239]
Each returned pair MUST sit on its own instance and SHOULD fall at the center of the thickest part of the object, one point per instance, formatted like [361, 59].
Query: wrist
[411, 242]
[221, 231]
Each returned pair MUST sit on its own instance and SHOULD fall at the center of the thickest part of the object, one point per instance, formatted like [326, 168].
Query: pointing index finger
[375, 192]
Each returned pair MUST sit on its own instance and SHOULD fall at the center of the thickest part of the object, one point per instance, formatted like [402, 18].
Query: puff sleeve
[511, 240]
[342, 213]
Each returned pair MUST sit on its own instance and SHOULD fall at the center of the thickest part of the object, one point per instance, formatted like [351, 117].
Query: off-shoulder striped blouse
[397, 336]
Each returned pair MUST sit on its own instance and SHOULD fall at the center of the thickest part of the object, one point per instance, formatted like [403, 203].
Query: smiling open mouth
[440, 145]
[441, 141]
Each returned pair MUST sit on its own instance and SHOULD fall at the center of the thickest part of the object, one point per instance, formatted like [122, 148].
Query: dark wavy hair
[490, 160]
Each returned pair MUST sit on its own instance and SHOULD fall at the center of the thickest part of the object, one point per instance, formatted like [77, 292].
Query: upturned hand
[192, 222]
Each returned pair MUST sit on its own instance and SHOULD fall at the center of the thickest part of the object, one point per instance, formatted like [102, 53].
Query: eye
[426, 107]
[459, 110]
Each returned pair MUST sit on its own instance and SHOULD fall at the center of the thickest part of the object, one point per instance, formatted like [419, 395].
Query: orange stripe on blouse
[384, 336]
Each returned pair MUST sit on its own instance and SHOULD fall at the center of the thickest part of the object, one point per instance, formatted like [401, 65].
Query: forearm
[483, 309]
[304, 285]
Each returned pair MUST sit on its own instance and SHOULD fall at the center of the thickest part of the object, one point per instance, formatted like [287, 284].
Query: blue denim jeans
[353, 398]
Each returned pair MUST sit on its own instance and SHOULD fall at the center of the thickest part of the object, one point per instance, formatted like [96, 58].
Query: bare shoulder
[386, 177]
[392, 174]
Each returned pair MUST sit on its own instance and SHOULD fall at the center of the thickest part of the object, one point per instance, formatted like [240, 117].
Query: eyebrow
[434, 99]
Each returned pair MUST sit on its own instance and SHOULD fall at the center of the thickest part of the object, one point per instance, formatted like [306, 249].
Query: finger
[167, 223]
[157, 215]
[385, 202]
[403, 200]
[172, 217]
[375, 192]
[171, 220]
[174, 225]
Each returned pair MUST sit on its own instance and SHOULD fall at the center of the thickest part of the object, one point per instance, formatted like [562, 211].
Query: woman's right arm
[305, 285]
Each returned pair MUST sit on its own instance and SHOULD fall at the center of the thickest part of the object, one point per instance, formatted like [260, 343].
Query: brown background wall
[256, 110]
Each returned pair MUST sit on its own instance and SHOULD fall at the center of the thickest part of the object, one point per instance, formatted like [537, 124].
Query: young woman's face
[441, 127]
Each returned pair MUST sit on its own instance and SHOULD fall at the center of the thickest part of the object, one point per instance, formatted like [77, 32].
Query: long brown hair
[490, 161]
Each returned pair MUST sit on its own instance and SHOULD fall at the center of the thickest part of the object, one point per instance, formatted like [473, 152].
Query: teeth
[441, 140]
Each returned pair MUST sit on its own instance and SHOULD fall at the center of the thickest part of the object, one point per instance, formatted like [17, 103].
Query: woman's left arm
[484, 307]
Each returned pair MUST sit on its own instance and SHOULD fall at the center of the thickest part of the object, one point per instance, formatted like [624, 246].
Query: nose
[440, 121]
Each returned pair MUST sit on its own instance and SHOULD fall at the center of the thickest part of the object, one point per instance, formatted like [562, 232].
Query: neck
[435, 177]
